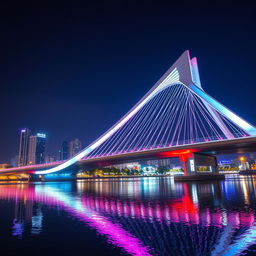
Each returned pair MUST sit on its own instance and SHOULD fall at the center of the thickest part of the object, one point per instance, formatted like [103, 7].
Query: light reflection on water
[142, 216]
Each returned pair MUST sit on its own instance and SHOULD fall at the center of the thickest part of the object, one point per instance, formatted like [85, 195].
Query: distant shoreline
[17, 181]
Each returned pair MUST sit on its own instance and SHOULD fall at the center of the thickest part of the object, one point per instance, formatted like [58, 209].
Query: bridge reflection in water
[148, 216]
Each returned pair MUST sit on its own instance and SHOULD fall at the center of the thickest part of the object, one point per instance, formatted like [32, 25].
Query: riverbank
[17, 181]
[178, 178]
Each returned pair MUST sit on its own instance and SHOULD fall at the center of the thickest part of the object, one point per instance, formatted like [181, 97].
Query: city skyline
[33, 149]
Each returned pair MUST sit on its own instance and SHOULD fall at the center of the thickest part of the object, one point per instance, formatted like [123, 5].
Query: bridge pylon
[198, 166]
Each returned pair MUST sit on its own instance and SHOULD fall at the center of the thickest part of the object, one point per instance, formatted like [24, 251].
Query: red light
[182, 154]
[177, 153]
[185, 204]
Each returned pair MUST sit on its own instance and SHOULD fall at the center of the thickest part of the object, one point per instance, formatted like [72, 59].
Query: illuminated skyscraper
[36, 153]
[74, 147]
[14, 160]
[50, 159]
[64, 151]
[23, 148]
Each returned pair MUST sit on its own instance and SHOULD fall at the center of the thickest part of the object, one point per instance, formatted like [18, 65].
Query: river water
[140, 216]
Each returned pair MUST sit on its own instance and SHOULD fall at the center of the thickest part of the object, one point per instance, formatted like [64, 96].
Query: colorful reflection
[195, 218]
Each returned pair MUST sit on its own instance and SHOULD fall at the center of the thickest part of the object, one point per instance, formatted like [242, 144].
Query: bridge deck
[238, 145]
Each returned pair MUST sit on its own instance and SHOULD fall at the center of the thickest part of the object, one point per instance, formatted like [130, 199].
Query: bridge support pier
[53, 177]
[199, 167]
[62, 176]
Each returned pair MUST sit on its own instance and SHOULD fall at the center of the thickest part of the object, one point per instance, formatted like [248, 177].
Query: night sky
[72, 70]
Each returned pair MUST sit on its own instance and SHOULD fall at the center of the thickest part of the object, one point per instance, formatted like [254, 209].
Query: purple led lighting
[94, 208]
[114, 232]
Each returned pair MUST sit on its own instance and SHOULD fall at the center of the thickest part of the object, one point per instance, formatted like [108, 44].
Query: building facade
[74, 147]
[36, 153]
[50, 159]
[14, 161]
[24, 147]
[64, 152]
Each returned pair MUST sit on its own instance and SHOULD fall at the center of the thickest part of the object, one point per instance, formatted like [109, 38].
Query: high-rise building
[64, 152]
[50, 159]
[23, 148]
[36, 153]
[74, 147]
[14, 161]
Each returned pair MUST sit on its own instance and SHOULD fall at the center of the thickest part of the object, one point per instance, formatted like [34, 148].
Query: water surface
[141, 216]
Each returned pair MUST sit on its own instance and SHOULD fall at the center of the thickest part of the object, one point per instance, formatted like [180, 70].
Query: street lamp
[242, 160]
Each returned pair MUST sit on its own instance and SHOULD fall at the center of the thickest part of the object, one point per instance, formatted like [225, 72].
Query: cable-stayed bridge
[176, 118]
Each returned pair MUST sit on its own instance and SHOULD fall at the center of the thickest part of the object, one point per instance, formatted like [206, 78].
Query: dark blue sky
[73, 70]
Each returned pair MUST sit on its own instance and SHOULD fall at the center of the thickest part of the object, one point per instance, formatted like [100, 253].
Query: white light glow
[172, 78]
[192, 165]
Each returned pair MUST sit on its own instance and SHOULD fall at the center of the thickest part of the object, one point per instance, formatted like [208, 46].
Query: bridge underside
[242, 145]
[201, 154]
